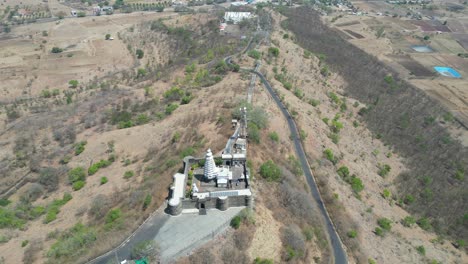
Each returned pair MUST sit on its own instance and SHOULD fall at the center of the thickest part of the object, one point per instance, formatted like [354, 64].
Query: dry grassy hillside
[91, 159]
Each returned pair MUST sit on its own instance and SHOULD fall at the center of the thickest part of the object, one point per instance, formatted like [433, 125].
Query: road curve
[339, 253]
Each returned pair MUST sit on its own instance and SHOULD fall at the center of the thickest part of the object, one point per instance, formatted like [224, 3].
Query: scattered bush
[378, 231]
[421, 250]
[385, 223]
[273, 51]
[78, 185]
[24, 243]
[408, 221]
[254, 54]
[294, 241]
[235, 222]
[56, 50]
[424, 223]
[343, 171]
[73, 242]
[171, 108]
[96, 166]
[104, 180]
[409, 199]
[270, 171]
[384, 169]
[76, 174]
[147, 201]
[113, 215]
[145, 249]
[140, 53]
[73, 83]
[274, 136]
[80, 147]
[258, 260]
[352, 234]
[386, 193]
[330, 156]
[129, 174]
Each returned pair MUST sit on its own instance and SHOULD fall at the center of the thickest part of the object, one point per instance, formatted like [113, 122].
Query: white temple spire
[211, 171]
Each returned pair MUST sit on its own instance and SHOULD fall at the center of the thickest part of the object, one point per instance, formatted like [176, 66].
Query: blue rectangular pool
[447, 71]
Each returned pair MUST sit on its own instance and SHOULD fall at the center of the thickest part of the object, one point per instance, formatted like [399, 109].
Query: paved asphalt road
[146, 232]
[338, 251]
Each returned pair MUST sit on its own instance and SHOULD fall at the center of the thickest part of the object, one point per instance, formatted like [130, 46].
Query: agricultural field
[391, 39]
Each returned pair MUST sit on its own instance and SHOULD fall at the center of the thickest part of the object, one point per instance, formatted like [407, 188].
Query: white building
[236, 17]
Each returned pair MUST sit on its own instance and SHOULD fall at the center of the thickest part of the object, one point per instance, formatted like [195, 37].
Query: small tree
[108, 36]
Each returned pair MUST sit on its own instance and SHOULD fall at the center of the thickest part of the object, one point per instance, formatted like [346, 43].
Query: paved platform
[183, 233]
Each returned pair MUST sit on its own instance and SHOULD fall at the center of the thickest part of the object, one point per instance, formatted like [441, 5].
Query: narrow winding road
[339, 253]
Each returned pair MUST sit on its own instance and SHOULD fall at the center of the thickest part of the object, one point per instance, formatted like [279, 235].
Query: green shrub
[335, 138]
[171, 108]
[104, 180]
[386, 193]
[314, 102]
[460, 243]
[80, 147]
[270, 171]
[274, 136]
[76, 174]
[8, 219]
[142, 119]
[258, 260]
[78, 185]
[129, 174]
[255, 54]
[235, 222]
[73, 83]
[424, 223]
[408, 221]
[336, 126]
[175, 93]
[96, 166]
[385, 223]
[51, 215]
[46, 93]
[253, 132]
[343, 171]
[24, 243]
[4, 202]
[384, 169]
[73, 242]
[421, 250]
[147, 201]
[56, 50]
[113, 215]
[409, 199]
[356, 184]
[378, 231]
[352, 234]
[273, 51]
[139, 53]
[330, 156]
